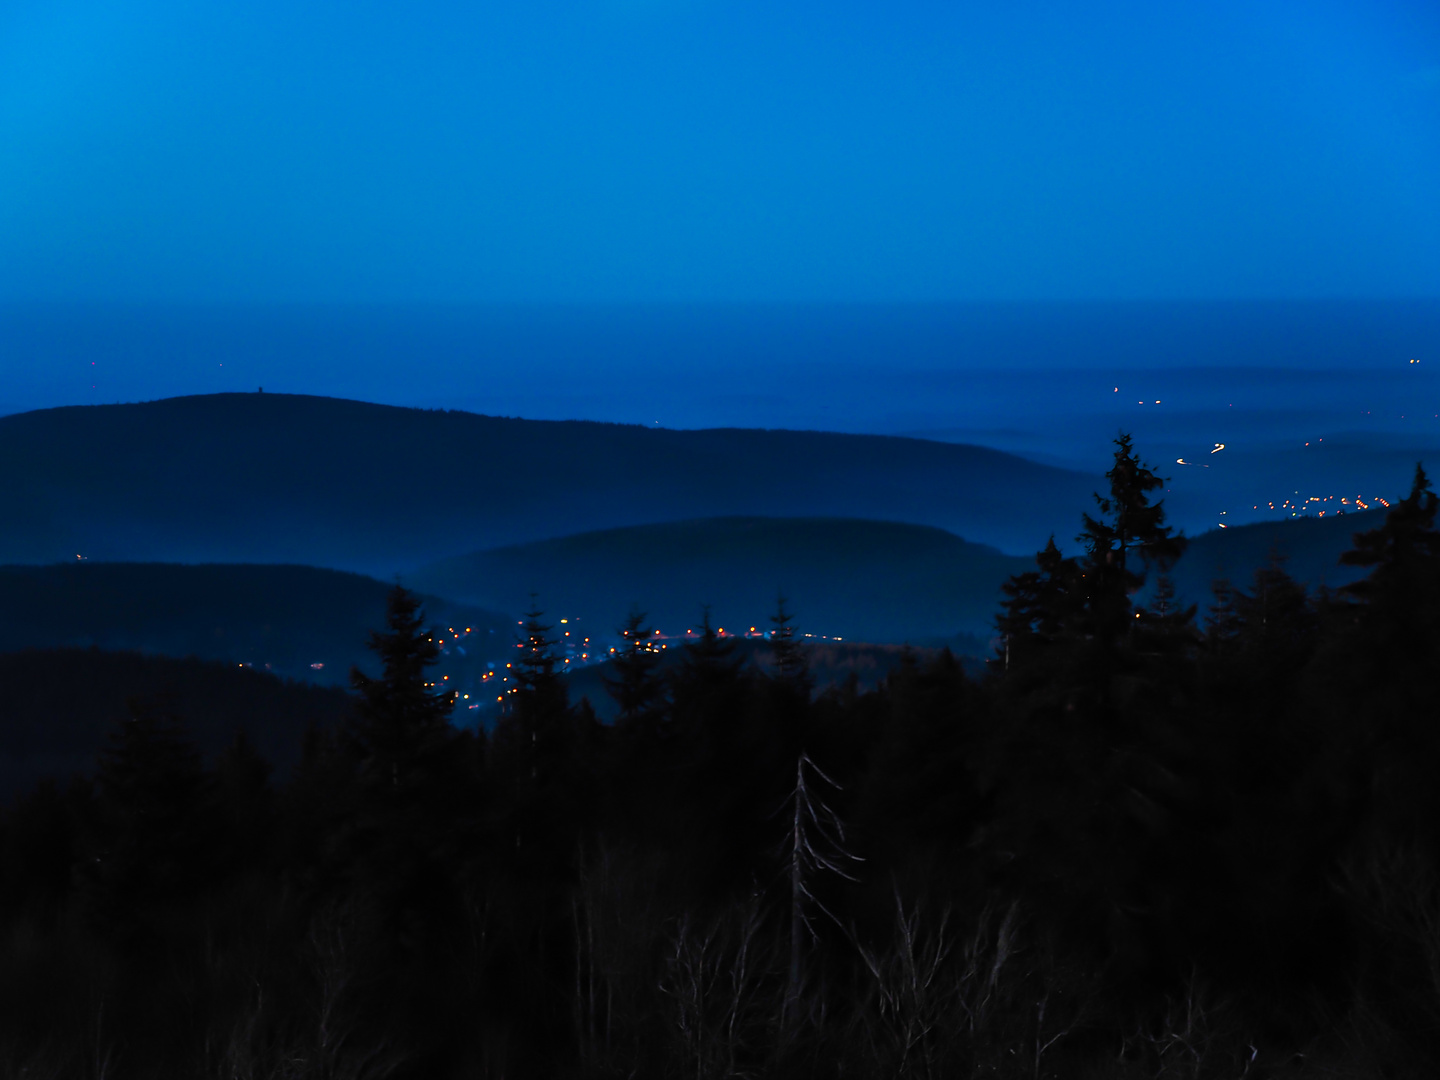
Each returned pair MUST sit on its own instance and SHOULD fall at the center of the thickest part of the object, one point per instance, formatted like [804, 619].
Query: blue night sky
[556, 150]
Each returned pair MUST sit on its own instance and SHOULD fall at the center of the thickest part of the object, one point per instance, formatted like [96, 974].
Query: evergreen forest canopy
[1144, 843]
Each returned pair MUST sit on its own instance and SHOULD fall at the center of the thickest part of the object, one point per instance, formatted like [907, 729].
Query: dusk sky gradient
[556, 150]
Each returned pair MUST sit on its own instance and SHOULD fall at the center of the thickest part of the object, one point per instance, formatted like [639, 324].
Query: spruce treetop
[710, 654]
[1130, 522]
[637, 688]
[1402, 590]
[536, 666]
[541, 693]
[1407, 538]
[785, 647]
[401, 709]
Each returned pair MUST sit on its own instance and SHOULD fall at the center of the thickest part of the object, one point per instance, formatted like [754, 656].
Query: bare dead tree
[1194, 1039]
[912, 1000]
[815, 844]
[945, 1001]
[713, 976]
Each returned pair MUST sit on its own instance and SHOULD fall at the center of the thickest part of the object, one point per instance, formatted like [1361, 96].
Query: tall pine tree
[1128, 538]
[1392, 652]
[401, 714]
[1087, 715]
[158, 836]
[636, 685]
[787, 652]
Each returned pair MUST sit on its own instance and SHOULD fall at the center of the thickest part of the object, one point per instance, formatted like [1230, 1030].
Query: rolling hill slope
[326, 482]
[860, 580]
[284, 619]
[866, 580]
[1310, 548]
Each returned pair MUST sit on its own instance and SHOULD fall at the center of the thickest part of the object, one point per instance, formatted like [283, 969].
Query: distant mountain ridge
[379, 489]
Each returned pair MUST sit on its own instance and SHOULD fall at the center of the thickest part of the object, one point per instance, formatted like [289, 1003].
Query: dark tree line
[1146, 843]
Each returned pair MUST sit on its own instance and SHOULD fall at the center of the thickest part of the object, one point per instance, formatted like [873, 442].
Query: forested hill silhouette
[58, 705]
[877, 581]
[281, 618]
[328, 482]
[874, 581]
[1309, 548]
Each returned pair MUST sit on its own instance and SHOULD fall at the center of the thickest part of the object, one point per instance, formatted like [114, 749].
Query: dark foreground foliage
[1141, 846]
[57, 705]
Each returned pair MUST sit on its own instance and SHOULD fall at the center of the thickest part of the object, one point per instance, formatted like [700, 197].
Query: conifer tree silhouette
[541, 708]
[1166, 627]
[1222, 619]
[409, 802]
[541, 746]
[786, 650]
[714, 733]
[645, 736]
[1130, 529]
[1392, 656]
[539, 685]
[707, 686]
[1090, 709]
[1276, 620]
[1134, 524]
[157, 830]
[1038, 608]
[637, 686]
[246, 800]
[1399, 599]
[401, 713]
[1073, 601]
[710, 655]
[1403, 555]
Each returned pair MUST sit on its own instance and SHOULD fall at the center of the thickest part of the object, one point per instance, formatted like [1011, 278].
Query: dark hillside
[1310, 547]
[286, 619]
[865, 580]
[282, 478]
[58, 705]
[859, 580]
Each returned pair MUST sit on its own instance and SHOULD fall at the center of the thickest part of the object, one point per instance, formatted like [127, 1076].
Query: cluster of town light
[1319, 505]
[581, 653]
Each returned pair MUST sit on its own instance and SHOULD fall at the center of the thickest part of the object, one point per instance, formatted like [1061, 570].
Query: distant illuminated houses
[1320, 505]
